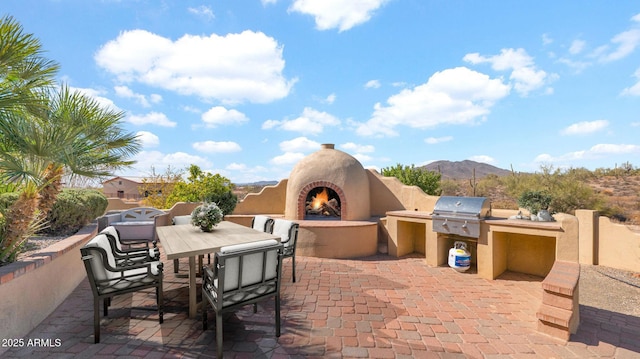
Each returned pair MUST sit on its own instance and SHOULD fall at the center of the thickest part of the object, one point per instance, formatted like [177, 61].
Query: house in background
[126, 188]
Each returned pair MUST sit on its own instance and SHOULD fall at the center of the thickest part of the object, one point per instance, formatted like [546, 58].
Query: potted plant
[206, 216]
[537, 203]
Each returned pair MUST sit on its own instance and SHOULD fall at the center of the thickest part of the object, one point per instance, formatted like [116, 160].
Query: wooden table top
[179, 241]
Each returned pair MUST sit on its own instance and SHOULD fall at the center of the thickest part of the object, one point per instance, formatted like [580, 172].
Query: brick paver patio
[375, 307]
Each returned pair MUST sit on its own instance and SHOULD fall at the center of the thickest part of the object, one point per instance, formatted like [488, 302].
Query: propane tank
[459, 257]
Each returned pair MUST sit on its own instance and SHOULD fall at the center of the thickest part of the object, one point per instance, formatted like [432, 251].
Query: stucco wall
[33, 287]
[271, 200]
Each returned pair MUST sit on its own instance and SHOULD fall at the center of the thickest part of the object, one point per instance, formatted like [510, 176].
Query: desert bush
[449, 187]
[75, 208]
[428, 181]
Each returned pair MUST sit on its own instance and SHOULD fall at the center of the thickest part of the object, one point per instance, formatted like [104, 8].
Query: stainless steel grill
[460, 215]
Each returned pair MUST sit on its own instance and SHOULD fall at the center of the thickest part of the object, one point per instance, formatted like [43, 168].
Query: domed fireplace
[328, 184]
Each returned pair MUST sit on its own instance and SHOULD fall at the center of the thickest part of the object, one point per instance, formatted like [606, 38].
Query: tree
[205, 187]
[46, 133]
[428, 181]
[156, 188]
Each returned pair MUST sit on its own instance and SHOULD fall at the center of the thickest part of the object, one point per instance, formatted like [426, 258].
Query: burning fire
[320, 199]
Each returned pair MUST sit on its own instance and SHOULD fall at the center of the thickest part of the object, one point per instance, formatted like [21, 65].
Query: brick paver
[374, 307]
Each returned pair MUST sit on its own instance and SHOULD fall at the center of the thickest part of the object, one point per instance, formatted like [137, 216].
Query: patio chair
[242, 274]
[180, 220]
[288, 232]
[262, 223]
[129, 256]
[107, 279]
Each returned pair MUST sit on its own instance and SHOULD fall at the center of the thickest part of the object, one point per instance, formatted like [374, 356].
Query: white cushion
[281, 228]
[177, 220]
[247, 246]
[111, 230]
[259, 222]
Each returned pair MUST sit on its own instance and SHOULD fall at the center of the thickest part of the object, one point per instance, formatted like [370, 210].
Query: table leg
[193, 308]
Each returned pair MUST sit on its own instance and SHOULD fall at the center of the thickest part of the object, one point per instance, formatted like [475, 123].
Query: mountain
[464, 169]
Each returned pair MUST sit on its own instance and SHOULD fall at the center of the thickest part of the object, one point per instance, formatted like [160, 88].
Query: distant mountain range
[464, 169]
[448, 170]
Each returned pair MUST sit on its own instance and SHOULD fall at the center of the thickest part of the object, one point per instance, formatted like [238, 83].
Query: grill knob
[444, 224]
[464, 225]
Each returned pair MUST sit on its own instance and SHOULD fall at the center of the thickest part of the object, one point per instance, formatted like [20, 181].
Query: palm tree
[46, 134]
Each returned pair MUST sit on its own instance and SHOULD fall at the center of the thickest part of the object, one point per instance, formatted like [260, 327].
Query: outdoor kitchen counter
[504, 244]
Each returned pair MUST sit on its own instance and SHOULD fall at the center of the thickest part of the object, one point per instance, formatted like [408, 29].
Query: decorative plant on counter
[206, 216]
[537, 203]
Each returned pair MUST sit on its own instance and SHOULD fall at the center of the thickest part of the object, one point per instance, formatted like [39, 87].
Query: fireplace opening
[322, 203]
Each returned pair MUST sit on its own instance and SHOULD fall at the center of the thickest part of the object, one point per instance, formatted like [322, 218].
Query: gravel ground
[610, 289]
[600, 287]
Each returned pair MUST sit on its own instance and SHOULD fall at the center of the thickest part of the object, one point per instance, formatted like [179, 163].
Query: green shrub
[226, 201]
[535, 201]
[75, 208]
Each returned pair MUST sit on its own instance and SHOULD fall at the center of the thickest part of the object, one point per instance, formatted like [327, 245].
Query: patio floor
[376, 307]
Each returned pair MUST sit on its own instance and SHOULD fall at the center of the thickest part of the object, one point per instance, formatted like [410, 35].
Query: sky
[247, 88]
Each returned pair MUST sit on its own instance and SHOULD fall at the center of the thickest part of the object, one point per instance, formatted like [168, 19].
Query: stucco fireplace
[344, 228]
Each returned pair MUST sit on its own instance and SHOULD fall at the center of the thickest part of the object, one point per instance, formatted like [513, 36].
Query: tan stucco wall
[117, 204]
[271, 200]
[358, 239]
[617, 246]
[27, 299]
[389, 194]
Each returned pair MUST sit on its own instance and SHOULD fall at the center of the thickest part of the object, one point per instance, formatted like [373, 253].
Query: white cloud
[483, 159]
[458, 96]
[97, 96]
[585, 127]
[300, 144]
[152, 118]
[126, 92]
[546, 39]
[145, 160]
[217, 147]
[372, 84]
[355, 148]
[624, 44]
[577, 46]
[330, 99]
[202, 11]
[148, 139]
[267, 2]
[233, 68]
[594, 152]
[311, 121]
[436, 140]
[635, 89]
[338, 14]
[219, 115]
[524, 74]
[287, 158]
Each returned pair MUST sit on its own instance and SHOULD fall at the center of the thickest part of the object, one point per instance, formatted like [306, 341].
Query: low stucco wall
[609, 244]
[32, 288]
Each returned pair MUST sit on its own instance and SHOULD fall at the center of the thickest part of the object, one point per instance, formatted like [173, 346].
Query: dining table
[188, 241]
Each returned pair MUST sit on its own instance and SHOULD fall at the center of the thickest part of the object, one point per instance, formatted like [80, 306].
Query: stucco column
[588, 235]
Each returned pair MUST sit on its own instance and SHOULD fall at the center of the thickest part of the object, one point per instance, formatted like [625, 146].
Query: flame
[320, 198]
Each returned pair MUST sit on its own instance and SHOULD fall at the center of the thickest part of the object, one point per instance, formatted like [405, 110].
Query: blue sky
[246, 88]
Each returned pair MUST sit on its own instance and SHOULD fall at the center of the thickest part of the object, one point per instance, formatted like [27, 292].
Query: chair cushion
[247, 246]
[259, 222]
[97, 266]
[111, 230]
[177, 220]
[281, 228]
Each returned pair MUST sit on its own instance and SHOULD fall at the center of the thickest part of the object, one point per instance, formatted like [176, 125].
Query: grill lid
[460, 215]
[457, 207]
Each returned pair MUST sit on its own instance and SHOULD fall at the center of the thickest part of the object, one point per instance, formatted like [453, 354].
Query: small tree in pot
[537, 203]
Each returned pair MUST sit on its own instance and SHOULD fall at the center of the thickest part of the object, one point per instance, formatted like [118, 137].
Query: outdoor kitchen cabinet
[514, 245]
